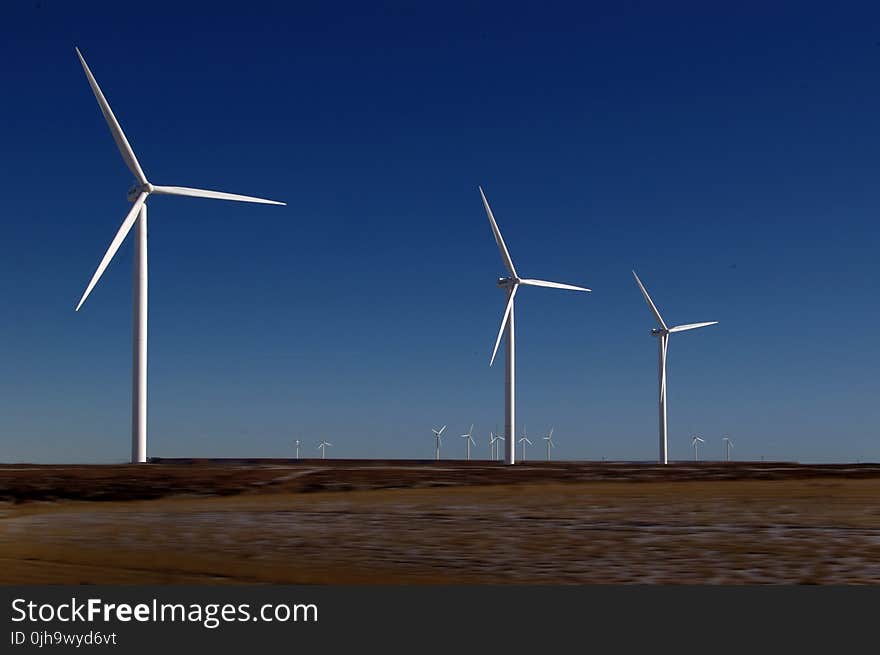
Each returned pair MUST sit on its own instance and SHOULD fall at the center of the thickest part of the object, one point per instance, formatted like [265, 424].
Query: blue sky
[729, 156]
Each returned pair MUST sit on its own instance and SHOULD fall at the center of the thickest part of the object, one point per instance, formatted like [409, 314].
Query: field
[392, 522]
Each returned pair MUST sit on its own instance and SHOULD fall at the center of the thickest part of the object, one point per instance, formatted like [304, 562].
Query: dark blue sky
[730, 157]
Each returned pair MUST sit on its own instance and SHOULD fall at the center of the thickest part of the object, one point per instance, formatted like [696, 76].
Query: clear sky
[729, 156]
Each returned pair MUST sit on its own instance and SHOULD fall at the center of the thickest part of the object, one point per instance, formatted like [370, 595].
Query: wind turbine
[495, 440]
[523, 441]
[511, 284]
[728, 445]
[549, 439]
[469, 441]
[138, 214]
[662, 333]
[695, 442]
[296, 443]
[437, 434]
[491, 445]
[323, 447]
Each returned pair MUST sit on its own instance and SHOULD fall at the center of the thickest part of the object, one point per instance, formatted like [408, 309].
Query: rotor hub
[137, 189]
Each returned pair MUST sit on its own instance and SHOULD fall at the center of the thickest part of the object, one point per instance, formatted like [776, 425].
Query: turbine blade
[205, 193]
[650, 302]
[505, 255]
[121, 233]
[552, 285]
[510, 296]
[691, 326]
[115, 129]
[441, 430]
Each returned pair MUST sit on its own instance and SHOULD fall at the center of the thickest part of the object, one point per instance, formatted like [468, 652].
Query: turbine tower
[662, 333]
[138, 214]
[695, 442]
[469, 441]
[728, 446]
[296, 443]
[510, 285]
[323, 447]
[437, 440]
[549, 439]
[523, 441]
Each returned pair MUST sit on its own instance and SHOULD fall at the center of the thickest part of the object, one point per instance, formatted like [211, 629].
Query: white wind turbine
[437, 440]
[523, 441]
[662, 333]
[138, 214]
[511, 284]
[296, 443]
[728, 446]
[469, 441]
[323, 447]
[491, 445]
[495, 440]
[549, 439]
[695, 442]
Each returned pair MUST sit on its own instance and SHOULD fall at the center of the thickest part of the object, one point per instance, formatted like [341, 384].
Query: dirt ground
[346, 522]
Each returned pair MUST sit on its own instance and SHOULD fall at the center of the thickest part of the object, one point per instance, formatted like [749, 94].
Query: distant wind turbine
[549, 439]
[511, 284]
[495, 441]
[323, 446]
[662, 333]
[695, 442]
[138, 214]
[728, 446]
[469, 441]
[523, 441]
[437, 434]
[297, 443]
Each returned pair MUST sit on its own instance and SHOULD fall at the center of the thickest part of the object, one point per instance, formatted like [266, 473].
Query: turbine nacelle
[138, 189]
[507, 282]
[657, 332]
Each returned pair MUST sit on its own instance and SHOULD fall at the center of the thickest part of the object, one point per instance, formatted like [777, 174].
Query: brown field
[366, 522]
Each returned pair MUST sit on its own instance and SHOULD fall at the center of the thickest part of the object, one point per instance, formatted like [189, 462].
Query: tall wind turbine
[728, 445]
[695, 442]
[323, 446]
[296, 443]
[662, 333]
[469, 441]
[491, 445]
[138, 214]
[437, 440]
[511, 284]
[523, 441]
[549, 439]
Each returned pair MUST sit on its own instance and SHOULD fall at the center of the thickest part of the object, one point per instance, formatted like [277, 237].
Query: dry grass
[812, 530]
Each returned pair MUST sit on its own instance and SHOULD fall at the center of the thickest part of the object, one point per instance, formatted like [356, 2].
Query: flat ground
[360, 522]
